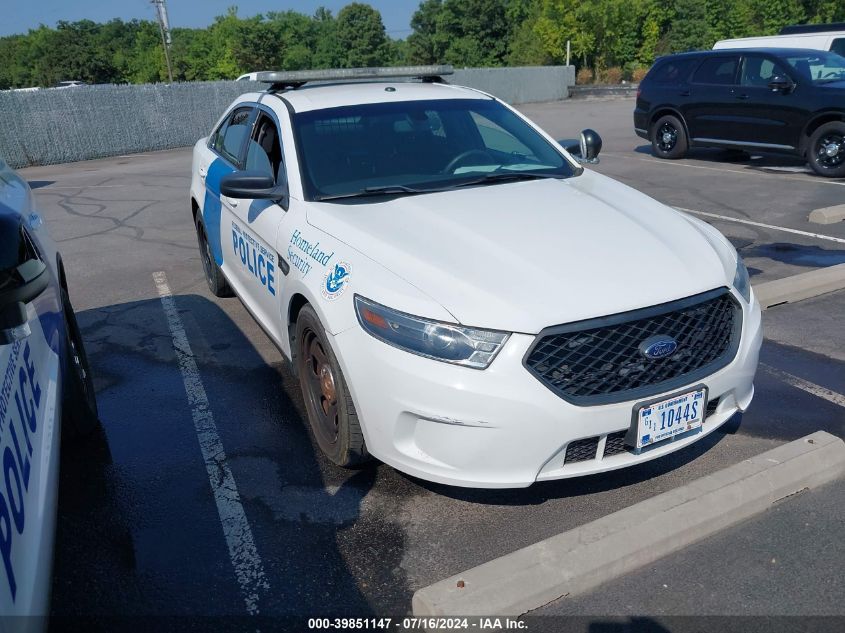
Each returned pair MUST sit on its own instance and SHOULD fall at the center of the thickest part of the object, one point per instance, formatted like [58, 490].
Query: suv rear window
[716, 70]
[671, 71]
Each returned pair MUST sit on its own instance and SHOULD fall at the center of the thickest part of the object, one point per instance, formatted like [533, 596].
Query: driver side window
[264, 152]
[758, 71]
[230, 136]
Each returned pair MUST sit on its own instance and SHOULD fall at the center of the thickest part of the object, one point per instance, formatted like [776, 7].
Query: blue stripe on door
[212, 209]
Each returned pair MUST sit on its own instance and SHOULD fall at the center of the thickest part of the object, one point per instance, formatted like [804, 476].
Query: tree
[361, 36]
[689, 29]
[423, 43]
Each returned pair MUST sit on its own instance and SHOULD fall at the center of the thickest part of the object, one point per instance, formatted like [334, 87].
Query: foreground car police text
[459, 297]
[44, 378]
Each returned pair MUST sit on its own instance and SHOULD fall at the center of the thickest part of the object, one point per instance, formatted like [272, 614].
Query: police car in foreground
[45, 389]
[458, 295]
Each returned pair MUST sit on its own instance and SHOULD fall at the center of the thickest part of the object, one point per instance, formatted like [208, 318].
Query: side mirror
[20, 286]
[781, 83]
[254, 185]
[586, 149]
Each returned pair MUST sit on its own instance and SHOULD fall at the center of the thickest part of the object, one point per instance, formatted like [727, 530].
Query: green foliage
[360, 35]
[603, 34]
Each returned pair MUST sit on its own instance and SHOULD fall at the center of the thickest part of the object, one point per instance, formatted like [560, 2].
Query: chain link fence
[45, 127]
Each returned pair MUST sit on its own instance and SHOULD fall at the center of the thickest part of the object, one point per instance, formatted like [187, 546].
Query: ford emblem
[657, 347]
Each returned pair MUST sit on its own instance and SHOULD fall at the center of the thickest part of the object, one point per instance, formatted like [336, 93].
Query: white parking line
[804, 385]
[727, 218]
[756, 171]
[249, 569]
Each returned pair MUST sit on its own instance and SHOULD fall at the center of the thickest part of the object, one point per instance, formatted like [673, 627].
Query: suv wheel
[331, 412]
[668, 138]
[213, 275]
[826, 151]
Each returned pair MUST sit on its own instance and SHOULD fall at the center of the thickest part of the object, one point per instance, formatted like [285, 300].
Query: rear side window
[671, 71]
[716, 70]
[838, 46]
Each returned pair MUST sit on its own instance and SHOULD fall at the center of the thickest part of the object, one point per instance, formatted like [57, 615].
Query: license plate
[667, 418]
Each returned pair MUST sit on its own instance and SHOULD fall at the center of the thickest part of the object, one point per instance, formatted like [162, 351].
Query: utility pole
[164, 28]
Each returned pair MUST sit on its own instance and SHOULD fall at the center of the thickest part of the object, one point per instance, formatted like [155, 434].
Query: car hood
[523, 256]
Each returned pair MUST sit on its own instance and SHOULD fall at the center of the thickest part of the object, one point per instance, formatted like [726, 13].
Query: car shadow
[139, 532]
[776, 163]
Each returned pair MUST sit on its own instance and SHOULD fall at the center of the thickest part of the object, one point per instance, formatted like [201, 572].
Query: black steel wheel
[668, 138]
[331, 412]
[826, 150]
[213, 275]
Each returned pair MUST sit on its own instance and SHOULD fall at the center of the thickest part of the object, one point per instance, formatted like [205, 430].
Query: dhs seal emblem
[336, 280]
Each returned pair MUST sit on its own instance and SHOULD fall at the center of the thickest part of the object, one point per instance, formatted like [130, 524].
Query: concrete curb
[802, 286]
[828, 215]
[599, 91]
[581, 559]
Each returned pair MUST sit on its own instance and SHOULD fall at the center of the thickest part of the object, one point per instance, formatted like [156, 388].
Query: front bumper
[501, 427]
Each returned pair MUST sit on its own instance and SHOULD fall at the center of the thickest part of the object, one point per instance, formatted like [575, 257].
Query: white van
[820, 37]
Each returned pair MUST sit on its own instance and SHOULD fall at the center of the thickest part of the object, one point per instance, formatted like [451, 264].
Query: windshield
[819, 66]
[413, 147]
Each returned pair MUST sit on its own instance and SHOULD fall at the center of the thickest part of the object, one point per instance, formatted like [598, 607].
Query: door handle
[232, 202]
[684, 93]
[202, 172]
[742, 96]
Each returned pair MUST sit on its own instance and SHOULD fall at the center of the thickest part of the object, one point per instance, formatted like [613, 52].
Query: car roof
[772, 50]
[318, 96]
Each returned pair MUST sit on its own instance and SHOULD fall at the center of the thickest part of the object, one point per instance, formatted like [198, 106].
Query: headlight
[741, 281]
[445, 342]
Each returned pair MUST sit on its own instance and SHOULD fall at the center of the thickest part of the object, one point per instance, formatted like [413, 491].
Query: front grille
[615, 443]
[712, 405]
[599, 361]
[581, 450]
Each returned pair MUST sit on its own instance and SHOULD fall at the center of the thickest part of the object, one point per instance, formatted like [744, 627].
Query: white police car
[45, 388]
[460, 297]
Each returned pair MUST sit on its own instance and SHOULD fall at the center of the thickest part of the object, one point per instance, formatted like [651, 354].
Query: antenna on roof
[284, 80]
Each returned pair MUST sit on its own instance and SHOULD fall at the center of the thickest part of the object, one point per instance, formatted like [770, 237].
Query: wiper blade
[386, 190]
[503, 177]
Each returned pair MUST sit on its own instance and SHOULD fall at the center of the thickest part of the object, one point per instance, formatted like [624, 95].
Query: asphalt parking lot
[138, 529]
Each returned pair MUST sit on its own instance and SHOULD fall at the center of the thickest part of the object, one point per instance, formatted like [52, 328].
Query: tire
[213, 275]
[668, 138]
[826, 150]
[331, 412]
[79, 400]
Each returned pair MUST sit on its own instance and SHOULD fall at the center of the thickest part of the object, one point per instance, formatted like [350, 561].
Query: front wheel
[331, 412]
[213, 275]
[826, 151]
[79, 401]
[668, 138]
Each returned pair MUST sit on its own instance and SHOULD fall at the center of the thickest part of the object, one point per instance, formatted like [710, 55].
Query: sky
[25, 15]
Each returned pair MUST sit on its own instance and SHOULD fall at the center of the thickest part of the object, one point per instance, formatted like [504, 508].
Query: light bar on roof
[335, 74]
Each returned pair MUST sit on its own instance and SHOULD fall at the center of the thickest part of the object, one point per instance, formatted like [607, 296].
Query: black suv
[787, 101]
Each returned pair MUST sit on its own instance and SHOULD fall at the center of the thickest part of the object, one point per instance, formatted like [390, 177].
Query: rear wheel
[79, 401]
[668, 138]
[826, 151]
[331, 412]
[213, 275]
